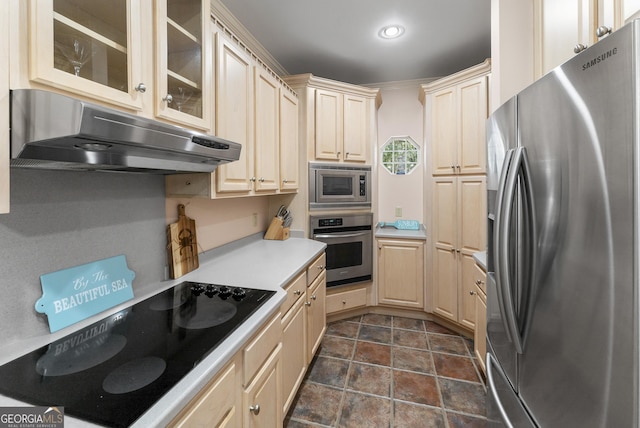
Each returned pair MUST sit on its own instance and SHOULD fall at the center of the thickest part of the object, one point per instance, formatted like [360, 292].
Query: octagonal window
[400, 155]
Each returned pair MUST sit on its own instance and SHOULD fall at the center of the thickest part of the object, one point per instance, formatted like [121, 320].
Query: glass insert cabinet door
[183, 40]
[88, 47]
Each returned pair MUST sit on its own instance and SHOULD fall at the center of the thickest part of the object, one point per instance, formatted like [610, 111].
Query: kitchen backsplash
[61, 219]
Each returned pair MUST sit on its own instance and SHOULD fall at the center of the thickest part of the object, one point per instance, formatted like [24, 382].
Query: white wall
[400, 114]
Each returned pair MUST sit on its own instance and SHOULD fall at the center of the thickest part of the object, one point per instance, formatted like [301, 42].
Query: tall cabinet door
[444, 132]
[328, 124]
[289, 171]
[234, 115]
[445, 291]
[355, 128]
[472, 152]
[267, 133]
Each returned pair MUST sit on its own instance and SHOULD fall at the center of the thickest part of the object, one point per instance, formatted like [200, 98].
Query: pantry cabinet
[401, 273]
[565, 27]
[337, 119]
[459, 230]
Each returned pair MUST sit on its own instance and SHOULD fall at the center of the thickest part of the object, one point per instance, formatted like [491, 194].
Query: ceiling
[338, 39]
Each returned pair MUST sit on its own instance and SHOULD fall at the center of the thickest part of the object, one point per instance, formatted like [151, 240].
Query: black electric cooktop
[111, 372]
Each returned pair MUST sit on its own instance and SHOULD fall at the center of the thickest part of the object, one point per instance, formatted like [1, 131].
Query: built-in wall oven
[349, 239]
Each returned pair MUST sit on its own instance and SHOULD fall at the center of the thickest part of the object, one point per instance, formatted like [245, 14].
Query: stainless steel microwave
[339, 186]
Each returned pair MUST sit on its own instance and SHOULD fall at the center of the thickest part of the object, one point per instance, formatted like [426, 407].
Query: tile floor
[381, 371]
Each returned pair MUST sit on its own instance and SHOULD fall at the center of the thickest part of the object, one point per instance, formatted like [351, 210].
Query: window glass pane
[400, 155]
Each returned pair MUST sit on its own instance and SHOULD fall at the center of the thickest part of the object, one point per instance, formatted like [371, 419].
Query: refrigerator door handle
[503, 270]
[528, 293]
[500, 258]
[490, 364]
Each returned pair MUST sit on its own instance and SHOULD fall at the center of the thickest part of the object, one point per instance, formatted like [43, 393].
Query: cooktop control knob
[239, 293]
[224, 292]
[197, 289]
[211, 290]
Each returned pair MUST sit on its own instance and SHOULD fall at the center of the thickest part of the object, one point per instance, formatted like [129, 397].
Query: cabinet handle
[141, 87]
[307, 303]
[458, 250]
[479, 282]
[297, 292]
[579, 48]
[285, 181]
[338, 154]
[255, 409]
[472, 292]
[313, 297]
[346, 155]
[453, 167]
[458, 167]
[344, 302]
[453, 250]
[261, 180]
[603, 30]
[252, 179]
[168, 99]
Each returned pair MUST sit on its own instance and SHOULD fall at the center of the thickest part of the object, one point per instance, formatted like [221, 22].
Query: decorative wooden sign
[71, 295]
[182, 245]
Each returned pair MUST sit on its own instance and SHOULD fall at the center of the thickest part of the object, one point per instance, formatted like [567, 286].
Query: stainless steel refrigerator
[564, 235]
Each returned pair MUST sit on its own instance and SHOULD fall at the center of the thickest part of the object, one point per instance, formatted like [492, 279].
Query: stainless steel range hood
[52, 131]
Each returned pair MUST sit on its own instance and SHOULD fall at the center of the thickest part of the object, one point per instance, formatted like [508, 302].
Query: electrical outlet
[254, 219]
[398, 211]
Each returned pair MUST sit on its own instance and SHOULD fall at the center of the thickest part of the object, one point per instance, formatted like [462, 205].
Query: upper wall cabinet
[90, 48]
[458, 110]
[566, 27]
[183, 53]
[338, 118]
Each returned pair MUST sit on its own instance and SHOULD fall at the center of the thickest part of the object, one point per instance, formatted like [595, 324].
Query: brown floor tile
[408, 323]
[455, 366]
[337, 347]
[433, 327]
[413, 359]
[406, 415]
[288, 423]
[373, 333]
[356, 318]
[411, 339]
[329, 371]
[448, 344]
[306, 407]
[463, 421]
[463, 396]
[376, 319]
[373, 353]
[343, 329]
[415, 387]
[370, 379]
[361, 410]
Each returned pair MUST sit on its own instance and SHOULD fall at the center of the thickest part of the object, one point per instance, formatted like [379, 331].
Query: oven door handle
[341, 235]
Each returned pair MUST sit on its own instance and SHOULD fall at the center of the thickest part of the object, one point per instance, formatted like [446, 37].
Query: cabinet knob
[255, 409]
[458, 167]
[478, 282]
[344, 302]
[168, 99]
[472, 292]
[261, 180]
[579, 48]
[285, 181]
[313, 297]
[252, 179]
[453, 167]
[141, 87]
[307, 303]
[603, 30]
[338, 154]
[346, 155]
[297, 292]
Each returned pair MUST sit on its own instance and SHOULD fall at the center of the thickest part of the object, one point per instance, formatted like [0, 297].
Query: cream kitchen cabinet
[565, 27]
[316, 314]
[337, 119]
[347, 299]
[294, 333]
[458, 106]
[480, 332]
[401, 273]
[459, 230]
[104, 50]
[289, 169]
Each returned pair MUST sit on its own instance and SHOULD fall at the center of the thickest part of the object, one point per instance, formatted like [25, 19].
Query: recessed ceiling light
[391, 31]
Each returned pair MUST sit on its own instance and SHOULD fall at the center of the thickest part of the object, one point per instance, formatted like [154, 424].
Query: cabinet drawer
[480, 278]
[260, 347]
[316, 268]
[346, 300]
[295, 289]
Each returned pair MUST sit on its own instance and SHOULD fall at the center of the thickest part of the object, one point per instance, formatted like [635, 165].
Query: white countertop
[250, 262]
[392, 232]
[481, 259]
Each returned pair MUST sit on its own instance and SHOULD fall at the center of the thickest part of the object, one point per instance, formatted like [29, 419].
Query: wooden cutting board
[182, 247]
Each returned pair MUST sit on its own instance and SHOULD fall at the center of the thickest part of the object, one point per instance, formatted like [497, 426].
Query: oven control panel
[330, 222]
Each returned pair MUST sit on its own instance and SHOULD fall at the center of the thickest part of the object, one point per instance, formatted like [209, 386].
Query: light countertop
[392, 232]
[481, 259]
[250, 262]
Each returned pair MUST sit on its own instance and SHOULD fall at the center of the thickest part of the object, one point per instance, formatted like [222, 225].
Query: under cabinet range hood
[53, 131]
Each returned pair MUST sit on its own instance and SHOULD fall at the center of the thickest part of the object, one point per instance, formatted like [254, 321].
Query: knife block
[276, 231]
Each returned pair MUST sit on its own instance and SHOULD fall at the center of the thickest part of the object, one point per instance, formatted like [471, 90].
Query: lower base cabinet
[345, 300]
[294, 358]
[261, 399]
[480, 332]
[401, 273]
